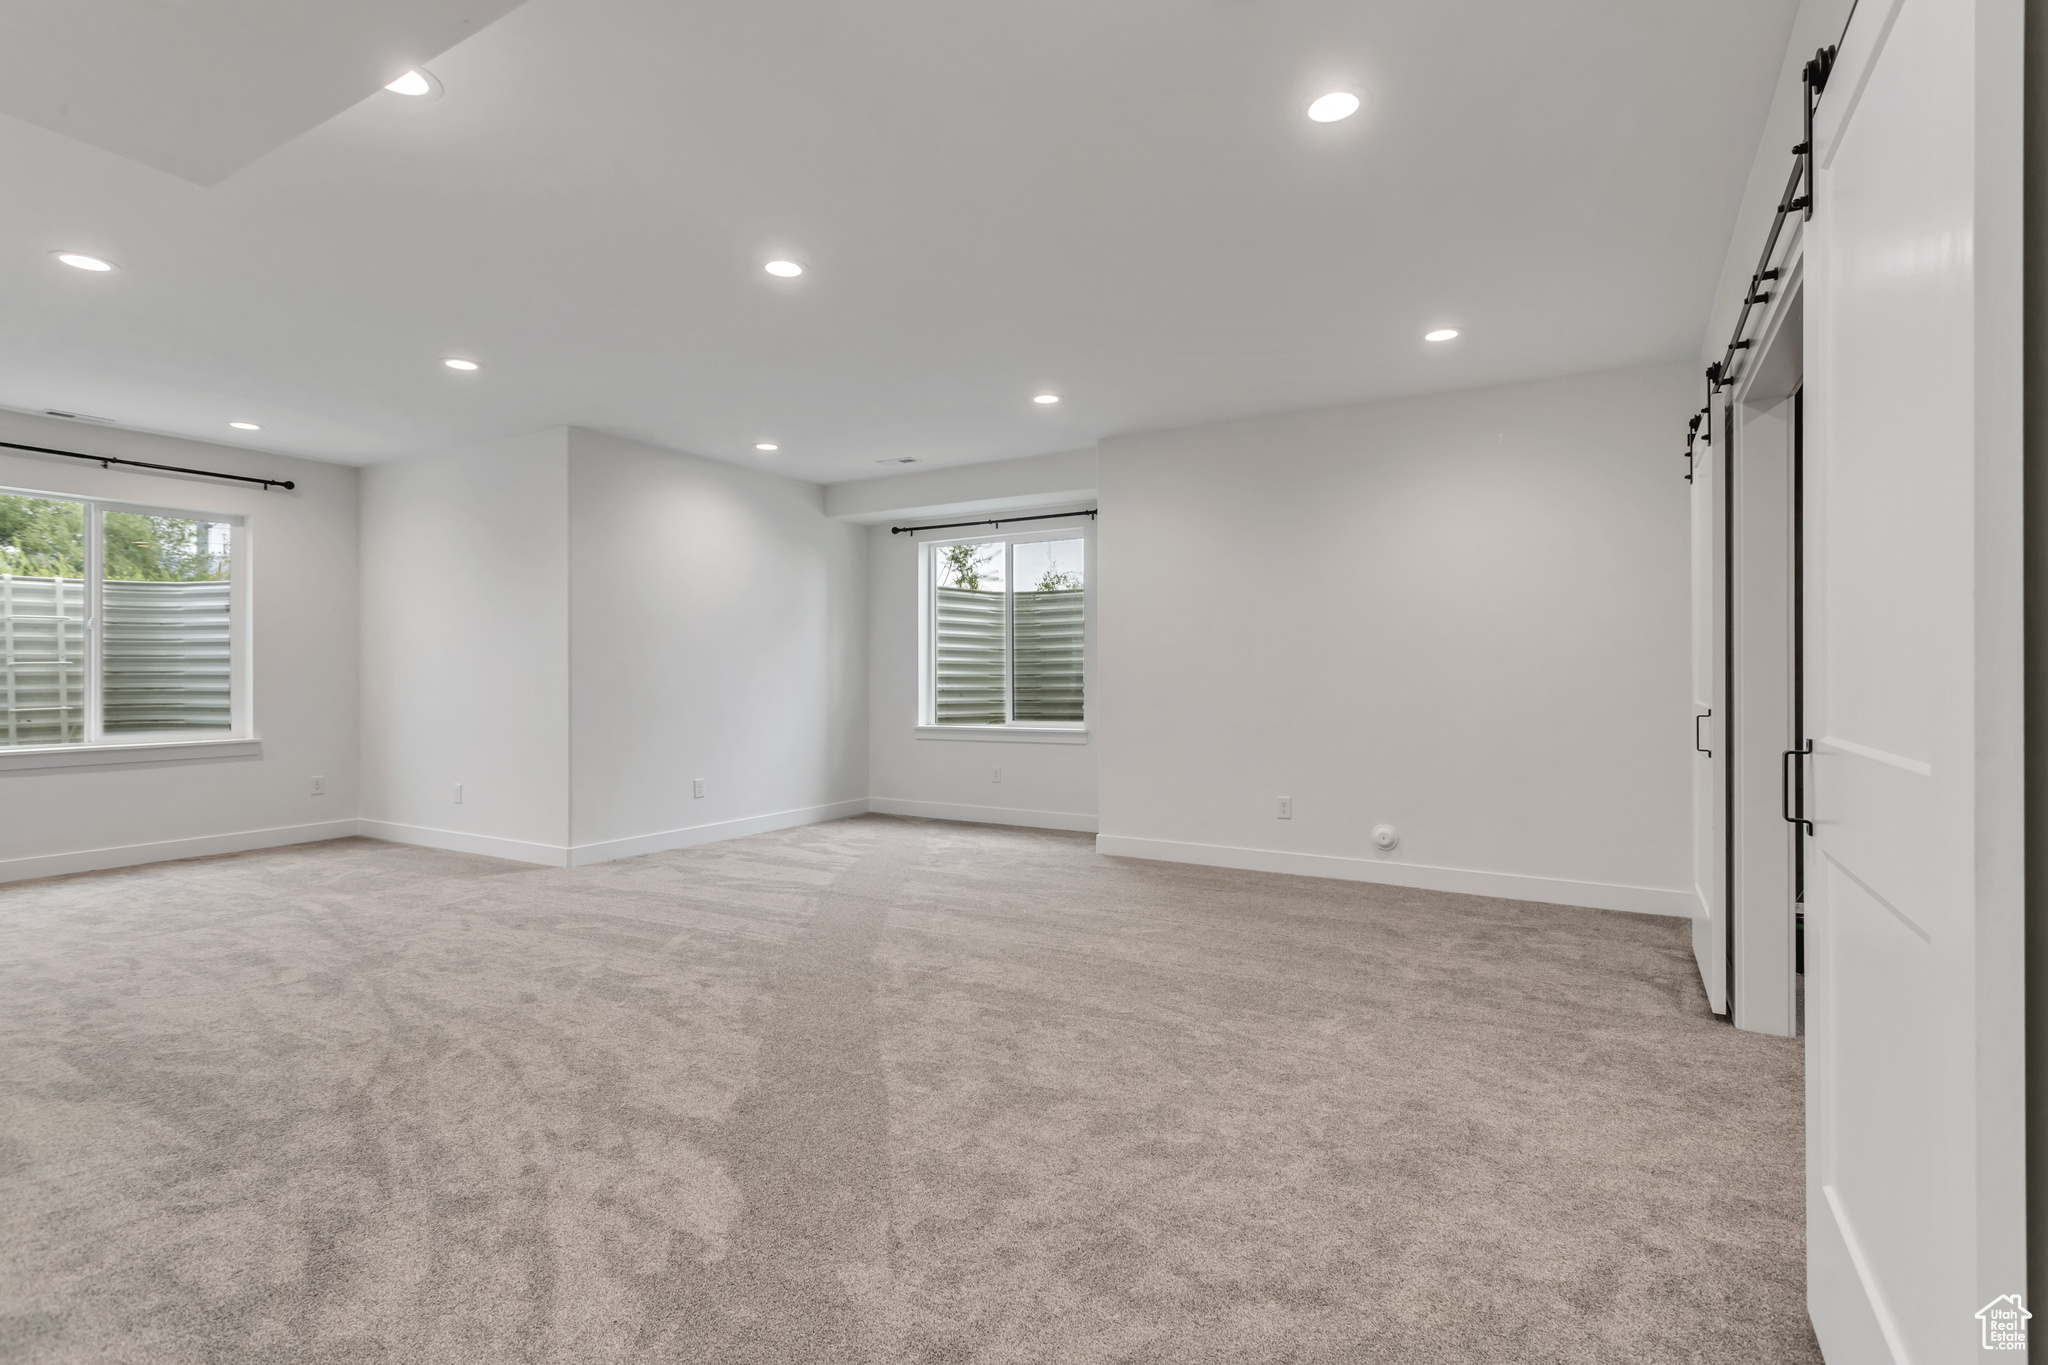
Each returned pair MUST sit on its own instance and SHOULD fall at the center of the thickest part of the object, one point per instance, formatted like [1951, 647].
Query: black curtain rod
[950, 525]
[105, 460]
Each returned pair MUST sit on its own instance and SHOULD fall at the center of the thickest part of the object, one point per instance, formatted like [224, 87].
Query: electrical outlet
[1286, 808]
[997, 775]
[458, 793]
[697, 787]
[319, 786]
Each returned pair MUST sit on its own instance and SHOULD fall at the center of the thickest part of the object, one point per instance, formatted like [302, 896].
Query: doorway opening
[1749, 674]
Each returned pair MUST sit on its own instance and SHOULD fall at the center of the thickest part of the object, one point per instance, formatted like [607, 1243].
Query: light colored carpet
[878, 1090]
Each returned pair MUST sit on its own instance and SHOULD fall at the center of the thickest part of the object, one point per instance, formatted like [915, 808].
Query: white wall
[1463, 614]
[575, 626]
[718, 623]
[1047, 785]
[302, 576]
[465, 648]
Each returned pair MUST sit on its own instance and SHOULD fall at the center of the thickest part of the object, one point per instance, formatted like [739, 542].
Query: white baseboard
[1642, 900]
[205, 845]
[603, 852]
[457, 841]
[985, 815]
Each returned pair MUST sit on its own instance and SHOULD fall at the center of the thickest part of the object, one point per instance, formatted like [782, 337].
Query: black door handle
[1696, 733]
[1790, 765]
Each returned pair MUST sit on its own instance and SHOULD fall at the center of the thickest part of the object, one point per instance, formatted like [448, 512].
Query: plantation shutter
[164, 657]
[42, 660]
[1048, 667]
[969, 659]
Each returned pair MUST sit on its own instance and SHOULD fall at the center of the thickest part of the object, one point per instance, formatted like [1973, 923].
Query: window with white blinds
[118, 624]
[1007, 622]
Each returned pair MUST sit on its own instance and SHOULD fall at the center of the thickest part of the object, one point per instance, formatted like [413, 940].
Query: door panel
[1709, 768]
[1877, 1192]
[1915, 1139]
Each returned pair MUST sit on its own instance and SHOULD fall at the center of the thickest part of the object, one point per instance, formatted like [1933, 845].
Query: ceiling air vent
[900, 459]
[78, 417]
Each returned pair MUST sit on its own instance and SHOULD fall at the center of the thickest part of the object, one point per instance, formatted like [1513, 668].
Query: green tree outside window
[45, 538]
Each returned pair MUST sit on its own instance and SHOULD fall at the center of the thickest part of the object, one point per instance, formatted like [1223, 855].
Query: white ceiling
[201, 88]
[1119, 202]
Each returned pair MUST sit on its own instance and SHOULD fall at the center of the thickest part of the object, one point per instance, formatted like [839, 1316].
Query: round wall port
[1385, 837]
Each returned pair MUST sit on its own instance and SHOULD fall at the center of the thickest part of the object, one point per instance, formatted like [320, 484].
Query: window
[117, 623]
[1006, 631]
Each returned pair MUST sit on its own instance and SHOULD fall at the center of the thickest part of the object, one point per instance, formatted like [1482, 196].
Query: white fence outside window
[968, 682]
[166, 658]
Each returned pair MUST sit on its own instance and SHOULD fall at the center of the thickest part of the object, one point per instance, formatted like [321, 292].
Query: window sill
[1008, 734]
[107, 755]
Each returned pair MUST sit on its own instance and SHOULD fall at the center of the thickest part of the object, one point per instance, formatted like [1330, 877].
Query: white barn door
[1710, 711]
[1915, 1140]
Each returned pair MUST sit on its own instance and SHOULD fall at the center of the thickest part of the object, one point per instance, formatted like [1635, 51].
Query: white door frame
[1761, 705]
[1743, 848]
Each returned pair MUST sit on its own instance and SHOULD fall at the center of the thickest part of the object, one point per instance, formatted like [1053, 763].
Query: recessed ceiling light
[1046, 398]
[460, 364]
[414, 83]
[1440, 334]
[787, 270]
[1338, 104]
[766, 445]
[245, 426]
[78, 260]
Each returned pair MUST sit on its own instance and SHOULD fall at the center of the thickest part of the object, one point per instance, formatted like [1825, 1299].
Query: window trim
[1009, 734]
[31, 758]
[1082, 528]
[149, 746]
